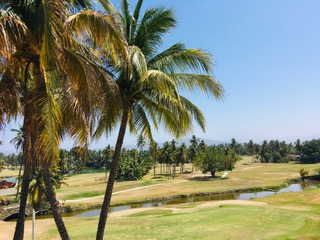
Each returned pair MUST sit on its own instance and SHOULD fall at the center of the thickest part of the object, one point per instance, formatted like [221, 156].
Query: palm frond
[194, 111]
[154, 24]
[108, 7]
[138, 64]
[50, 122]
[99, 28]
[180, 59]
[135, 20]
[193, 82]
[13, 33]
[139, 122]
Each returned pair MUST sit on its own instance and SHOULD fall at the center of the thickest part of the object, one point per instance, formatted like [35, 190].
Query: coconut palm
[43, 66]
[182, 154]
[149, 83]
[141, 142]
[18, 142]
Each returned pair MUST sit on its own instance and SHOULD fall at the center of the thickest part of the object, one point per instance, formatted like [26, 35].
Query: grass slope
[273, 221]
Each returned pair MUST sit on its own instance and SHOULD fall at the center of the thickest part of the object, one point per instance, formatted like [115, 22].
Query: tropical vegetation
[150, 83]
[69, 71]
[44, 65]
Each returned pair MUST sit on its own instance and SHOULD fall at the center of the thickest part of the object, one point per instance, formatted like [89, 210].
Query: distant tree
[250, 150]
[132, 167]
[154, 152]
[107, 152]
[141, 142]
[298, 147]
[182, 155]
[77, 160]
[64, 162]
[234, 145]
[310, 151]
[193, 150]
[2, 164]
[202, 146]
[217, 159]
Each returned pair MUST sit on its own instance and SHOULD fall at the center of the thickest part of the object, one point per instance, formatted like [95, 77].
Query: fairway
[244, 176]
[266, 219]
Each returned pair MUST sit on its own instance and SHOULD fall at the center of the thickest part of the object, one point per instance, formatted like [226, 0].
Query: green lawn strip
[6, 173]
[307, 200]
[226, 222]
[96, 189]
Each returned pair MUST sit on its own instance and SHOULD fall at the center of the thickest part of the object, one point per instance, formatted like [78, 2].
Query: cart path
[123, 191]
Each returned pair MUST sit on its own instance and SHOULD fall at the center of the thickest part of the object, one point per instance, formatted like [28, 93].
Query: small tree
[216, 159]
[2, 164]
[310, 151]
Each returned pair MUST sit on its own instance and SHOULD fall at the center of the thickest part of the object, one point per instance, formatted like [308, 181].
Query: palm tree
[141, 142]
[107, 153]
[149, 83]
[18, 142]
[43, 66]
[182, 155]
[154, 152]
[250, 148]
[193, 150]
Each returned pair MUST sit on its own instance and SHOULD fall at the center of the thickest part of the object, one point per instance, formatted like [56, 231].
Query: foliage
[132, 167]
[2, 164]
[303, 172]
[317, 171]
[216, 159]
[5, 201]
[310, 151]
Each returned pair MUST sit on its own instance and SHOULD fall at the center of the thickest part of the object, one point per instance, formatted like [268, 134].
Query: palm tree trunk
[112, 175]
[19, 231]
[19, 180]
[51, 196]
[27, 171]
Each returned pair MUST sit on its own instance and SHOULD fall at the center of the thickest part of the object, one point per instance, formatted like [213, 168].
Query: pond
[295, 187]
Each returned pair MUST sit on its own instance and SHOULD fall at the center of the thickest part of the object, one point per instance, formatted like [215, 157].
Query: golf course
[290, 215]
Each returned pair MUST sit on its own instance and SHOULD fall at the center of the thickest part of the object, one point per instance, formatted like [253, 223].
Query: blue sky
[267, 57]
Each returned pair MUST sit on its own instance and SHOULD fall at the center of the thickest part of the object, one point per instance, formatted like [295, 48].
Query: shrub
[303, 172]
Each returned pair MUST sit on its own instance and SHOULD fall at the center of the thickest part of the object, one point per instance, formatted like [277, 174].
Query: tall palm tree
[193, 150]
[141, 142]
[18, 142]
[149, 83]
[43, 66]
[182, 155]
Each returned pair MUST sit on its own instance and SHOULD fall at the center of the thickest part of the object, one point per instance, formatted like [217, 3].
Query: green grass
[287, 215]
[226, 222]
[84, 195]
[243, 176]
[9, 173]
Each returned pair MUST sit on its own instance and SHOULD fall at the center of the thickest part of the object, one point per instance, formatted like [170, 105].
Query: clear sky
[267, 56]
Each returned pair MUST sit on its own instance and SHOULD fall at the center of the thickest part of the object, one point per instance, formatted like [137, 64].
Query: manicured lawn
[278, 220]
[243, 176]
[9, 173]
[287, 215]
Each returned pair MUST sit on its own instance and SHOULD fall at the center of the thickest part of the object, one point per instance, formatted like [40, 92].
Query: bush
[7, 201]
[132, 168]
[310, 152]
[303, 172]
